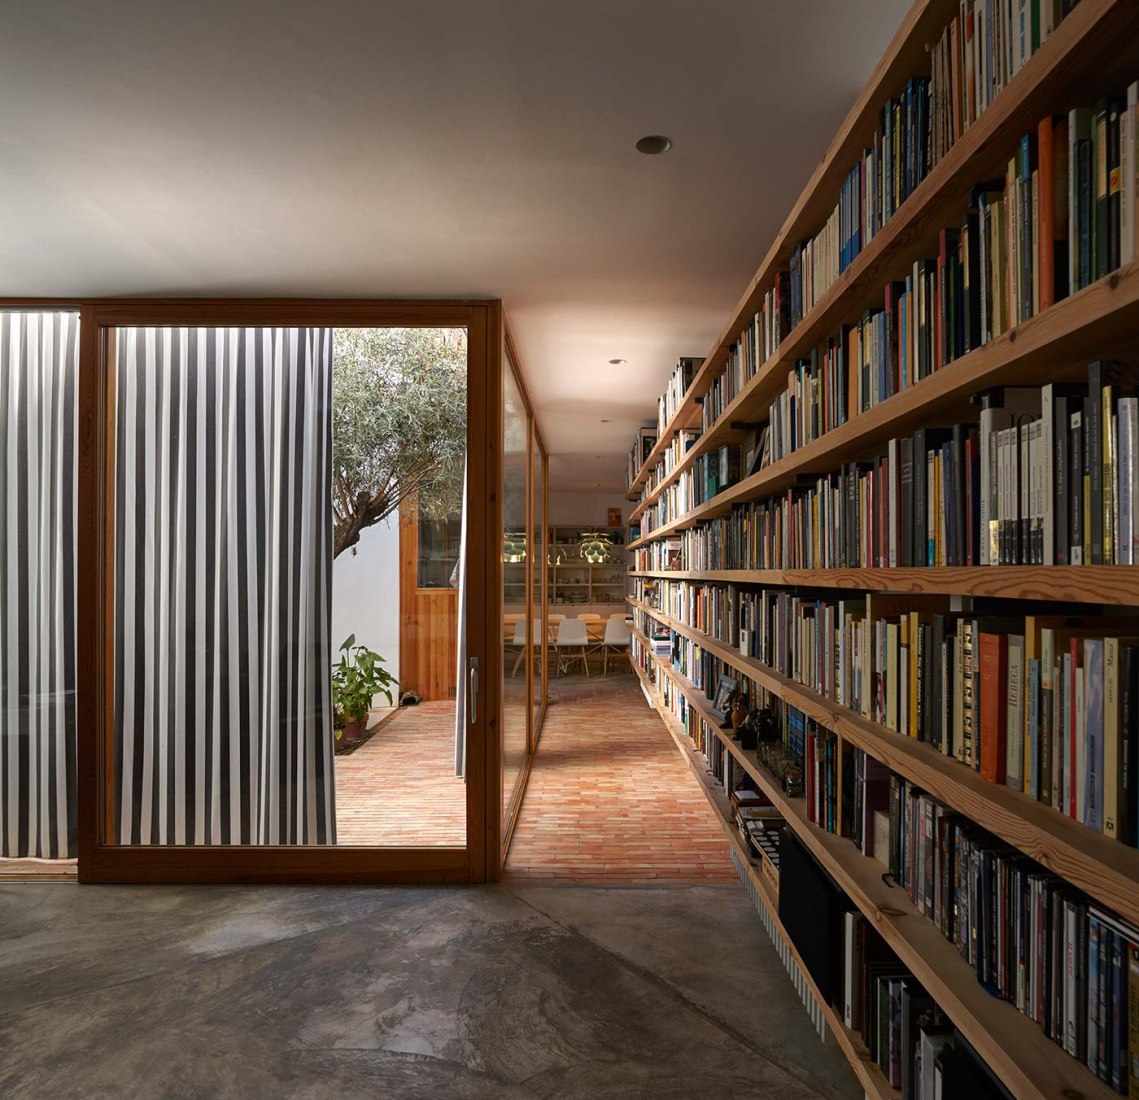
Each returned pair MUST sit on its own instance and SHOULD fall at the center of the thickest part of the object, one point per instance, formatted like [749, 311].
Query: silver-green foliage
[399, 424]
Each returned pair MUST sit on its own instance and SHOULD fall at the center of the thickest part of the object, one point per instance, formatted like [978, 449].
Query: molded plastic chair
[617, 640]
[572, 635]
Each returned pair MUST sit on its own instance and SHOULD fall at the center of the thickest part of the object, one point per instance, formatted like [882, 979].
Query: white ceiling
[432, 148]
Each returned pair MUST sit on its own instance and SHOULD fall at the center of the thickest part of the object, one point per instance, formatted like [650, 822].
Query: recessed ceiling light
[616, 362]
[606, 421]
[654, 144]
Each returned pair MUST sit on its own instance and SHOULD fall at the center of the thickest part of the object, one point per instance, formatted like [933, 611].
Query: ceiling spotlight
[606, 421]
[616, 362]
[653, 144]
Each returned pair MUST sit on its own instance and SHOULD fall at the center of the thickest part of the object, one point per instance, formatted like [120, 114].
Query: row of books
[914, 131]
[1009, 259]
[642, 447]
[1063, 216]
[1064, 961]
[678, 384]
[1047, 705]
[1046, 476]
[1034, 941]
[906, 1033]
[708, 476]
[670, 458]
[978, 54]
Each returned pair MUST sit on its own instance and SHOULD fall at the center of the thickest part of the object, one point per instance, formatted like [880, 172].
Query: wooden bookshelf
[1100, 866]
[687, 415]
[870, 1077]
[1097, 43]
[1116, 585]
[1093, 52]
[1014, 1047]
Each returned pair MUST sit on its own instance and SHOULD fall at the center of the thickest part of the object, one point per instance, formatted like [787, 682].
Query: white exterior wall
[365, 593]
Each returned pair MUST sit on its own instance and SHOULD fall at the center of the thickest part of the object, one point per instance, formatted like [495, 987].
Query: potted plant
[357, 678]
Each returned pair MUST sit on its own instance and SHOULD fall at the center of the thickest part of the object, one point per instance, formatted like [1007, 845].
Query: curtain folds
[38, 381]
[223, 575]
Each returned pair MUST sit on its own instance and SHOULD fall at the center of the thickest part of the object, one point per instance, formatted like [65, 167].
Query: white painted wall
[582, 508]
[365, 592]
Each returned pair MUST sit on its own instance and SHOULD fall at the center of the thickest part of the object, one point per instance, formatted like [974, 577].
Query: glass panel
[537, 574]
[38, 425]
[270, 488]
[517, 629]
[438, 551]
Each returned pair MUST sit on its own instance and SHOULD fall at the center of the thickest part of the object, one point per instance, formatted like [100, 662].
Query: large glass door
[294, 588]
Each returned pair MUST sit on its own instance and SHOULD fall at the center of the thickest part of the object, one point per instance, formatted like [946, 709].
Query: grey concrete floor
[313, 992]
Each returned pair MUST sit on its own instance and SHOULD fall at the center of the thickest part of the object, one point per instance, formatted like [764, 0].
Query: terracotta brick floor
[610, 799]
[400, 789]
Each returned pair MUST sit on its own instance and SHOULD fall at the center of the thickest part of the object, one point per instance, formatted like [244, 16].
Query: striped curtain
[223, 558]
[38, 378]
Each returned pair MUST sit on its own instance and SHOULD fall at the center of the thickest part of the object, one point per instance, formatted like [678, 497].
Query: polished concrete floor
[497, 992]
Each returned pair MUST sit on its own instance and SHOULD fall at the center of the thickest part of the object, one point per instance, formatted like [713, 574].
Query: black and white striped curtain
[223, 557]
[38, 378]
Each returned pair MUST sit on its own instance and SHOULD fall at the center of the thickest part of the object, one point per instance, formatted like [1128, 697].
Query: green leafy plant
[357, 678]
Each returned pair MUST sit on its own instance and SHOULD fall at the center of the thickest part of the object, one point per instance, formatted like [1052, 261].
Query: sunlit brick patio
[400, 789]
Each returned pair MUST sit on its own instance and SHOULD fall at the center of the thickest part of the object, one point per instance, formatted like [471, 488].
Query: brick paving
[610, 800]
[400, 790]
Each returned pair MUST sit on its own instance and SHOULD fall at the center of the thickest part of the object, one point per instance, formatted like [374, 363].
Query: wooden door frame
[413, 600]
[100, 861]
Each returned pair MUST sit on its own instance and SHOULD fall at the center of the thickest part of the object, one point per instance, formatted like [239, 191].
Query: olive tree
[399, 424]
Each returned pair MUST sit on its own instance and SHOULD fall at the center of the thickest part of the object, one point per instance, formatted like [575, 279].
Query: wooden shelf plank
[1103, 868]
[870, 1077]
[1014, 1047]
[1116, 585]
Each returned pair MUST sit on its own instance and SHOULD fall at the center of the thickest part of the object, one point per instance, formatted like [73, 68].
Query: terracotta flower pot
[353, 731]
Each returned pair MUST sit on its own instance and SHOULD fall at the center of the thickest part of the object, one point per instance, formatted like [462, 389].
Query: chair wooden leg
[517, 662]
[605, 661]
[585, 661]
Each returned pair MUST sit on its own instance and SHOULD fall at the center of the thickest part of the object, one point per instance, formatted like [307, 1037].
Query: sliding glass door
[293, 583]
[525, 635]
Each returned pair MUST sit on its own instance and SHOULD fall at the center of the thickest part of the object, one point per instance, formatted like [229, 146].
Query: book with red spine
[994, 706]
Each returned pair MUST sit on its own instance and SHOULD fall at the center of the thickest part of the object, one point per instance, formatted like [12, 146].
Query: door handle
[473, 691]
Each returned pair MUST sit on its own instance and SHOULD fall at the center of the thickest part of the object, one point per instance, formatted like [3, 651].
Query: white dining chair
[572, 636]
[617, 640]
[519, 640]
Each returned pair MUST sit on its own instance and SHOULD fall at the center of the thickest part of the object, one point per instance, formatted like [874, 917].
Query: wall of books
[885, 570]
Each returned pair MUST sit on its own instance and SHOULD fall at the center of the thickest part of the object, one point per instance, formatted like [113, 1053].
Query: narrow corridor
[610, 800]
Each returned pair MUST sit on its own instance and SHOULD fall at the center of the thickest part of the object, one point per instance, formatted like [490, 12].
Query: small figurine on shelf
[766, 728]
[739, 712]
